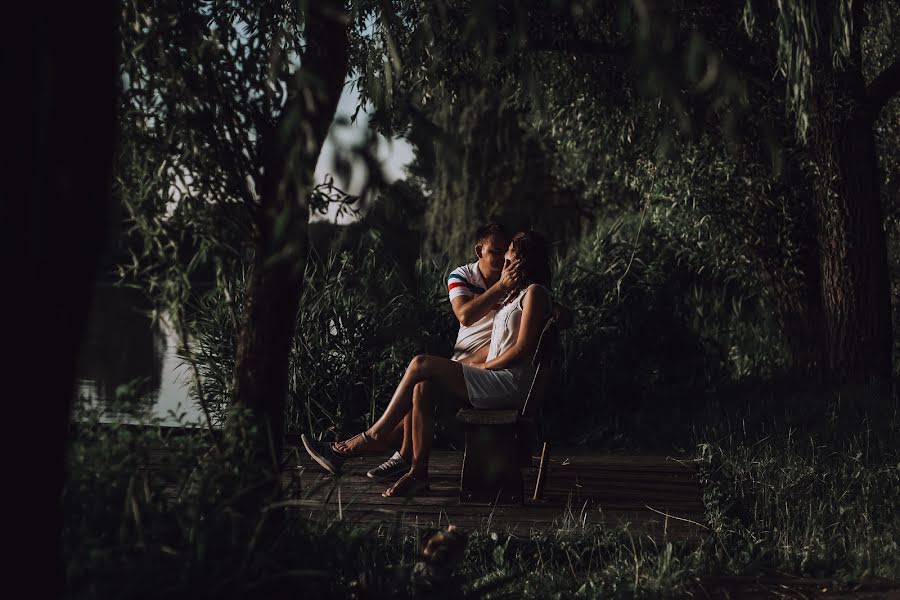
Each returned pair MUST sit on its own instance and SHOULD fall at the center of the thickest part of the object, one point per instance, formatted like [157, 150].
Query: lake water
[128, 365]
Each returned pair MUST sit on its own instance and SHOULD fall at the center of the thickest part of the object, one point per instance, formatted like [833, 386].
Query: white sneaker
[395, 465]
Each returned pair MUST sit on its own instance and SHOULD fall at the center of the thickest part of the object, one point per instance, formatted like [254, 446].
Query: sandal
[367, 447]
[407, 486]
[352, 453]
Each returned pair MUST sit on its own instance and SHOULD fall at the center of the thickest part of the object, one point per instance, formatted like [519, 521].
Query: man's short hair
[489, 229]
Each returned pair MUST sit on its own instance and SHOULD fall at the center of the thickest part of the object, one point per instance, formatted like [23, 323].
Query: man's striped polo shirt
[467, 281]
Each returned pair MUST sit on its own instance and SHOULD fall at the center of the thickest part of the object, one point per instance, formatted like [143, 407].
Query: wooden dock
[658, 496]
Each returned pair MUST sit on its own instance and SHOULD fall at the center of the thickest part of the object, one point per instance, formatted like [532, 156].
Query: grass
[805, 504]
[817, 503]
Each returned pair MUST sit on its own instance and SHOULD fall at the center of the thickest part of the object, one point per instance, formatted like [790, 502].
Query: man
[476, 291]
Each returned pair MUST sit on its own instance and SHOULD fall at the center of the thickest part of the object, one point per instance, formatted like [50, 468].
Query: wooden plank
[581, 489]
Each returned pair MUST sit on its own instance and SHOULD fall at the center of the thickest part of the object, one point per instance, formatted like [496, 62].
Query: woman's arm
[534, 310]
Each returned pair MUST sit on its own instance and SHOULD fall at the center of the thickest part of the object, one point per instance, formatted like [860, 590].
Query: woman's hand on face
[511, 275]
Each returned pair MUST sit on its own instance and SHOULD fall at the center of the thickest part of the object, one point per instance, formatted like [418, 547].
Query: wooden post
[539, 483]
[491, 472]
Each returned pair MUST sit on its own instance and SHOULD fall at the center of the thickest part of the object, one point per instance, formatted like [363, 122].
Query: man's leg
[397, 436]
[401, 437]
[406, 448]
[406, 445]
[422, 418]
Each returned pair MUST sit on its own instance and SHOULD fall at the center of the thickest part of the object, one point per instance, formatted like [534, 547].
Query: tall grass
[358, 326]
[822, 502]
[149, 513]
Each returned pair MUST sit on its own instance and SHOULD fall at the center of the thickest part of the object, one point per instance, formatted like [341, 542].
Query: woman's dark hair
[531, 249]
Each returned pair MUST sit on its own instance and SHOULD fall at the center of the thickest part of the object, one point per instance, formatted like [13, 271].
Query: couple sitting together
[502, 302]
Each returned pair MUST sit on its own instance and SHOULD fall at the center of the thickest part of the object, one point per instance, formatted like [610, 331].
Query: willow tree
[446, 77]
[600, 113]
[821, 56]
[771, 103]
[800, 85]
[226, 106]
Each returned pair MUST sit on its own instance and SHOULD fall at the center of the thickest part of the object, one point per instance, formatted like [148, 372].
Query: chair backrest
[543, 357]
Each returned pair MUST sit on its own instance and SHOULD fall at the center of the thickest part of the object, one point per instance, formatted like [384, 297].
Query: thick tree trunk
[276, 278]
[852, 244]
[59, 74]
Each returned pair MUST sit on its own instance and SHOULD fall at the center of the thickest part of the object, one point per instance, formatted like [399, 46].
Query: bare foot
[410, 484]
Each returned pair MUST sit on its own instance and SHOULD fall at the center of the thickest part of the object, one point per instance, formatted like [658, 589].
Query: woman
[499, 382]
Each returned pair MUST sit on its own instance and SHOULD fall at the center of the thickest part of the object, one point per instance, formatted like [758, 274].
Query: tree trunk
[276, 277]
[851, 237]
[60, 107]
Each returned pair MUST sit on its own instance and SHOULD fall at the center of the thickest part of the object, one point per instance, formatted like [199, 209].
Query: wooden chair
[499, 442]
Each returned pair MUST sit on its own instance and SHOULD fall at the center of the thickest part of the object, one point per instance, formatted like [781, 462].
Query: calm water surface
[123, 351]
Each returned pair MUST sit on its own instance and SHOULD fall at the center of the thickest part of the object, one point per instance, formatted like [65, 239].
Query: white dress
[503, 388]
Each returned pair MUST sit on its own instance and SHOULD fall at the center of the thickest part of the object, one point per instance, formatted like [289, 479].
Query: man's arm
[469, 309]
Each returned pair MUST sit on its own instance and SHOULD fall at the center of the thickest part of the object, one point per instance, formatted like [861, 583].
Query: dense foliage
[579, 119]
[699, 110]
[675, 156]
[358, 326]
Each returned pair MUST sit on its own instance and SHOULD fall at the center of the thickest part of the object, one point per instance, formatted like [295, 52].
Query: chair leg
[490, 471]
[541, 474]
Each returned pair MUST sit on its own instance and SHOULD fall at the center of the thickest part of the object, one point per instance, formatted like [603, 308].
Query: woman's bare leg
[423, 433]
[406, 427]
[442, 371]
[398, 438]
[422, 419]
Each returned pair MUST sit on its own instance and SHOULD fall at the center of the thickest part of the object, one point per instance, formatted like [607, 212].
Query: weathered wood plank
[582, 488]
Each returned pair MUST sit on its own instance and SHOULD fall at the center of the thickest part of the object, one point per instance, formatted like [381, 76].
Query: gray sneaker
[322, 453]
[395, 465]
